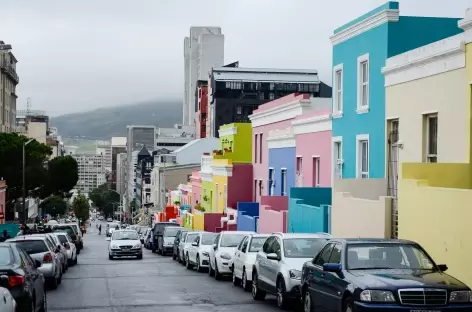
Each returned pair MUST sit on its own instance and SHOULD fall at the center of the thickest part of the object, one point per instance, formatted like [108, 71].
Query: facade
[313, 149]
[281, 159]
[120, 172]
[360, 49]
[104, 148]
[196, 188]
[91, 172]
[118, 146]
[22, 113]
[145, 163]
[203, 50]
[174, 138]
[8, 81]
[35, 127]
[191, 152]
[202, 108]
[236, 92]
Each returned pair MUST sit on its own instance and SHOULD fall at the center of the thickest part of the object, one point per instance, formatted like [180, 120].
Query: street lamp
[121, 202]
[25, 217]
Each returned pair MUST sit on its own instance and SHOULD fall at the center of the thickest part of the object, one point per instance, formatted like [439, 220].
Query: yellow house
[428, 98]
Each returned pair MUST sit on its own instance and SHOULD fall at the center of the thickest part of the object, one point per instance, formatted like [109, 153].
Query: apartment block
[8, 81]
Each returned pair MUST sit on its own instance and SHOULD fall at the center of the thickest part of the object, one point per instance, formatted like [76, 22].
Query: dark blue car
[380, 275]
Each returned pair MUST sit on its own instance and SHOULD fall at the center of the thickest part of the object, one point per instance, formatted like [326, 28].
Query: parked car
[68, 244]
[245, 257]
[67, 228]
[39, 248]
[374, 274]
[158, 233]
[198, 253]
[165, 245]
[147, 239]
[8, 304]
[78, 232]
[278, 266]
[185, 244]
[20, 275]
[177, 239]
[125, 243]
[222, 252]
[62, 254]
[109, 220]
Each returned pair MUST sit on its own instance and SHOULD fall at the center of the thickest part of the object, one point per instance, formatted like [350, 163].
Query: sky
[84, 54]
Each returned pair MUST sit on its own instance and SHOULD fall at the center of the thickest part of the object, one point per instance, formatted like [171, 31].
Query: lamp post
[120, 203]
[25, 217]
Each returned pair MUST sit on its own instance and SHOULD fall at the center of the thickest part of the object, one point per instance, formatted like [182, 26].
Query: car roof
[352, 241]
[302, 235]
[27, 237]
[125, 230]
[237, 232]
[259, 235]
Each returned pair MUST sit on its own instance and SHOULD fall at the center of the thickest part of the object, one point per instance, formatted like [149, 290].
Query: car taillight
[15, 281]
[47, 258]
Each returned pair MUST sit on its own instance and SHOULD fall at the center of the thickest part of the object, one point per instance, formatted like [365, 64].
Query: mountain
[103, 123]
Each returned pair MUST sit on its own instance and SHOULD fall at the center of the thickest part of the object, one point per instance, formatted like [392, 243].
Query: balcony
[10, 72]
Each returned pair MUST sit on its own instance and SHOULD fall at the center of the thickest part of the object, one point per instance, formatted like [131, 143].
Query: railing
[10, 71]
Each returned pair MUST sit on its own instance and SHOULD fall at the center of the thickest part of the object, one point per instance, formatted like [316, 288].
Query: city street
[155, 283]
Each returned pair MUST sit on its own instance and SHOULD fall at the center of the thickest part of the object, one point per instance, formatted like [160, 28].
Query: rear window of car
[5, 256]
[62, 238]
[32, 246]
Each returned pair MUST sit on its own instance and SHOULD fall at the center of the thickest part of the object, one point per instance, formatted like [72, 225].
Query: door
[316, 171]
[192, 253]
[273, 265]
[33, 276]
[333, 284]
[225, 197]
[238, 258]
[217, 198]
[318, 289]
[263, 261]
[212, 251]
[393, 155]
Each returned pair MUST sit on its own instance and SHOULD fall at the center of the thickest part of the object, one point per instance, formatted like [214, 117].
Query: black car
[69, 230]
[158, 232]
[379, 275]
[20, 275]
[178, 237]
[165, 243]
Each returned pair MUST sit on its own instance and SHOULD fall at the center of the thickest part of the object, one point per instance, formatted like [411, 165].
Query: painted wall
[282, 158]
[198, 221]
[207, 190]
[240, 183]
[248, 214]
[218, 202]
[212, 222]
[273, 212]
[196, 188]
[381, 42]
[236, 136]
[309, 210]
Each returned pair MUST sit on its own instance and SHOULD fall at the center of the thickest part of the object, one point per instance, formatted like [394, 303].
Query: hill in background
[103, 123]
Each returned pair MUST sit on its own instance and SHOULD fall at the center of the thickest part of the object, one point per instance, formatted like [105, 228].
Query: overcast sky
[84, 54]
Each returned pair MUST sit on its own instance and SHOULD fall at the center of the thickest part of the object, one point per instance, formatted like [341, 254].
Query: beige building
[35, 127]
[8, 82]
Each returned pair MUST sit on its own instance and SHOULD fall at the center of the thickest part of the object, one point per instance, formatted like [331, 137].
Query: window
[267, 247]
[255, 147]
[363, 84]
[283, 185]
[241, 243]
[299, 166]
[271, 181]
[260, 148]
[316, 171]
[260, 187]
[431, 123]
[245, 243]
[324, 255]
[271, 96]
[336, 254]
[362, 156]
[337, 157]
[338, 91]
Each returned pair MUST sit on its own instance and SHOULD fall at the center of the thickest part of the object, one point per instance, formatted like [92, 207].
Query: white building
[191, 153]
[203, 50]
[120, 172]
[104, 148]
[174, 138]
[91, 172]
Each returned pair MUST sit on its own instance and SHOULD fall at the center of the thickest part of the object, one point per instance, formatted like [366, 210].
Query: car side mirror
[37, 263]
[4, 281]
[332, 267]
[195, 244]
[215, 246]
[442, 267]
[273, 256]
[108, 238]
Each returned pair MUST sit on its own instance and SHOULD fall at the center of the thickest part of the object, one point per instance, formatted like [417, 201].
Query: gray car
[62, 255]
[125, 243]
[40, 248]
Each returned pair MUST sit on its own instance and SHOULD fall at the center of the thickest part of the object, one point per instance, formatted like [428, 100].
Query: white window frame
[359, 139]
[428, 118]
[362, 109]
[338, 95]
[283, 191]
[317, 164]
[334, 141]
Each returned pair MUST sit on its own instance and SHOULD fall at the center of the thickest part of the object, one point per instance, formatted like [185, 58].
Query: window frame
[429, 157]
[338, 91]
[363, 59]
[361, 139]
[327, 246]
[336, 141]
[283, 183]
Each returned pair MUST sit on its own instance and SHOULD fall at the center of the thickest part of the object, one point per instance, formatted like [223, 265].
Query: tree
[81, 207]
[54, 205]
[105, 199]
[63, 174]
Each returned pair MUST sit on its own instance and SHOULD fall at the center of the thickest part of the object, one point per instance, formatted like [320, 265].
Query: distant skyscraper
[203, 50]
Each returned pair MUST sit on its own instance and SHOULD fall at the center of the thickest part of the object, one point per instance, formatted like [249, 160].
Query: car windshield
[171, 231]
[208, 239]
[303, 247]
[387, 256]
[191, 237]
[256, 244]
[75, 227]
[62, 238]
[125, 235]
[32, 246]
[66, 229]
[5, 256]
[231, 240]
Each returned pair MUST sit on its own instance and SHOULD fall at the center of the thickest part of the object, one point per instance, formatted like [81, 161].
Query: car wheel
[281, 298]
[217, 274]
[257, 294]
[245, 283]
[174, 257]
[236, 281]
[110, 257]
[307, 305]
[347, 305]
[199, 268]
[210, 270]
[44, 303]
[140, 257]
[53, 283]
[75, 260]
[187, 261]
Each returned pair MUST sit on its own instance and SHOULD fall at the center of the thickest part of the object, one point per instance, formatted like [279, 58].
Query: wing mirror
[273, 256]
[195, 244]
[442, 267]
[108, 238]
[4, 281]
[37, 263]
[332, 267]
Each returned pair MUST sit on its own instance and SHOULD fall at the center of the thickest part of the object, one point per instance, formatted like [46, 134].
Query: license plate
[425, 311]
[126, 249]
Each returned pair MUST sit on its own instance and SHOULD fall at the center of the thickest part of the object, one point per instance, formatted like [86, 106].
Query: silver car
[69, 245]
[125, 243]
[39, 248]
[279, 263]
[62, 255]
[185, 243]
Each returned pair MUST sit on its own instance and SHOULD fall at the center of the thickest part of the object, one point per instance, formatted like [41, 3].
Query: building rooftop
[118, 141]
[265, 74]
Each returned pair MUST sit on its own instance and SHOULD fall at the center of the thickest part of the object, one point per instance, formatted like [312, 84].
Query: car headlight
[460, 296]
[114, 247]
[225, 256]
[295, 274]
[137, 246]
[206, 254]
[377, 296]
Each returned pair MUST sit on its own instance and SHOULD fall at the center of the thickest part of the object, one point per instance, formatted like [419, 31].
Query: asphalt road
[155, 283]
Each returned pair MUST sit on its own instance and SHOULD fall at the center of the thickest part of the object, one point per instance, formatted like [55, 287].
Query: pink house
[274, 115]
[273, 214]
[313, 148]
[196, 188]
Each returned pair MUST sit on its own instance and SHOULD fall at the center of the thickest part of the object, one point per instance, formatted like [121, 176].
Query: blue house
[360, 49]
[282, 155]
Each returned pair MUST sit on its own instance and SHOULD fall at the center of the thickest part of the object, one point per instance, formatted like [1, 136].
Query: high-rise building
[118, 146]
[104, 148]
[91, 171]
[203, 50]
[8, 81]
[120, 173]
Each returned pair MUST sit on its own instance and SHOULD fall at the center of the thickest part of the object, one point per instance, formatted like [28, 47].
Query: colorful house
[360, 49]
[282, 151]
[196, 182]
[428, 96]
[206, 177]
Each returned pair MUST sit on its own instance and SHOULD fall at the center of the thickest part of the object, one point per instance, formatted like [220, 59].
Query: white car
[125, 243]
[245, 257]
[198, 253]
[8, 304]
[71, 250]
[222, 252]
[185, 244]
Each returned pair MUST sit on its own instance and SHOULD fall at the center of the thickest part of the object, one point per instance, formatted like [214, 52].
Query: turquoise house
[309, 210]
[360, 49]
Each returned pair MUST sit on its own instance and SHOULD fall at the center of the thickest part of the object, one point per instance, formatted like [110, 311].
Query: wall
[218, 204]
[212, 222]
[238, 137]
[273, 212]
[207, 190]
[248, 214]
[198, 221]
[240, 183]
[308, 210]
[362, 188]
[282, 158]
[196, 188]
[447, 209]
